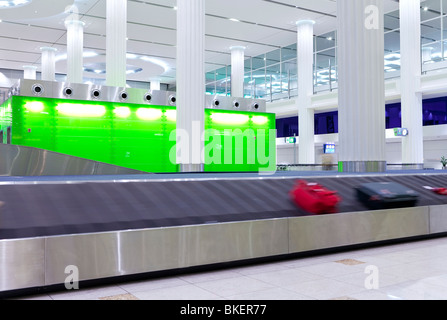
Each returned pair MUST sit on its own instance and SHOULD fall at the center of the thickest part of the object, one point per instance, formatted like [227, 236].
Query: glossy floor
[406, 271]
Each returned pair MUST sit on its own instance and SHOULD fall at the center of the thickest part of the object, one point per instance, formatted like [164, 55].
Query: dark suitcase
[386, 195]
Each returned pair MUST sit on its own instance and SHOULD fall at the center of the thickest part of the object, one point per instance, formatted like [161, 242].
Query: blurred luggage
[314, 198]
[386, 195]
[441, 191]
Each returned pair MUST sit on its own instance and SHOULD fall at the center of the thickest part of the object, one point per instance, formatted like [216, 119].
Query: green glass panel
[33, 123]
[140, 138]
[5, 119]
[239, 141]
[137, 136]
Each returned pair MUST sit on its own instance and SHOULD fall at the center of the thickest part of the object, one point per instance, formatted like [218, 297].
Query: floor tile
[344, 298]
[184, 292]
[127, 296]
[412, 271]
[234, 286]
[152, 284]
[271, 294]
[208, 276]
[359, 279]
[325, 289]
[331, 269]
[349, 262]
[283, 278]
[93, 293]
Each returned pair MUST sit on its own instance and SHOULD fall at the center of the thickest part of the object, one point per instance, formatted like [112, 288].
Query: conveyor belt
[36, 210]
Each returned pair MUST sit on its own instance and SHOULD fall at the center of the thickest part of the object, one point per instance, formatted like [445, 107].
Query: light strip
[227, 118]
[34, 106]
[81, 110]
[171, 115]
[260, 120]
[122, 112]
[149, 114]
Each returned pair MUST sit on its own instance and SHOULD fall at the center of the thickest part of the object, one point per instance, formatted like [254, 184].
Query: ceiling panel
[264, 25]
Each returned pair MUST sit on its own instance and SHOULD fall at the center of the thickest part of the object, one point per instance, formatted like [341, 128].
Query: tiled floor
[408, 271]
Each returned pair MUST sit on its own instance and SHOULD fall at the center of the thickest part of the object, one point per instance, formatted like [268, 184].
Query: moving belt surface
[39, 210]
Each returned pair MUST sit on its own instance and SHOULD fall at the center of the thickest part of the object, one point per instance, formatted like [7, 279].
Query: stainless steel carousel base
[42, 262]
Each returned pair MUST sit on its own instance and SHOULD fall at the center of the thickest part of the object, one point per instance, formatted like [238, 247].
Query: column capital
[305, 22]
[29, 67]
[69, 22]
[242, 48]
[49, 49]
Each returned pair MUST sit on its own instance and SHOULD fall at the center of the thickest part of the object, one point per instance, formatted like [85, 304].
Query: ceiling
[263, 26]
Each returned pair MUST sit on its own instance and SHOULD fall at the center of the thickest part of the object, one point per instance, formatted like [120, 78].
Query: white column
[361, 88]
[29, 72]
[237, 71]
[411, 97]
[306, 122]
[116, 47]
[75, 50]
[190, 84]
[155, 84]
[48, 63]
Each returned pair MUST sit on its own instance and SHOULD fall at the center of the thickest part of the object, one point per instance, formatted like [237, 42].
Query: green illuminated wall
[137, 136]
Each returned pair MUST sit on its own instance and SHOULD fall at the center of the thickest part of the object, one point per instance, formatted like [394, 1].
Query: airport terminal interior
[223, 150]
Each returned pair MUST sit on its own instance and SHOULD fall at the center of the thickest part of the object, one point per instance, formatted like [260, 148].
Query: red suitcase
[314, 198]
[441, 191]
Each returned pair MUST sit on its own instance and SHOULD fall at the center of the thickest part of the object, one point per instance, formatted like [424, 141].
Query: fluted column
[190, 84]
[237, 71]
[48, 63]
[306, 122]
[116, 47]
[29, 72]
[155, 84]
[75, 50]
[411, 97]
[361, 89]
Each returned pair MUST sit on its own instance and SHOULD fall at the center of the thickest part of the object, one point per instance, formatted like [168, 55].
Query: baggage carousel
[113, 226]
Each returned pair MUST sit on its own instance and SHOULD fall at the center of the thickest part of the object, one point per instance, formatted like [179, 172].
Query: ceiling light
[233, 19]
[425, 8]
[5, 4]
[156, 61]
[131, 56]
[89, 54]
